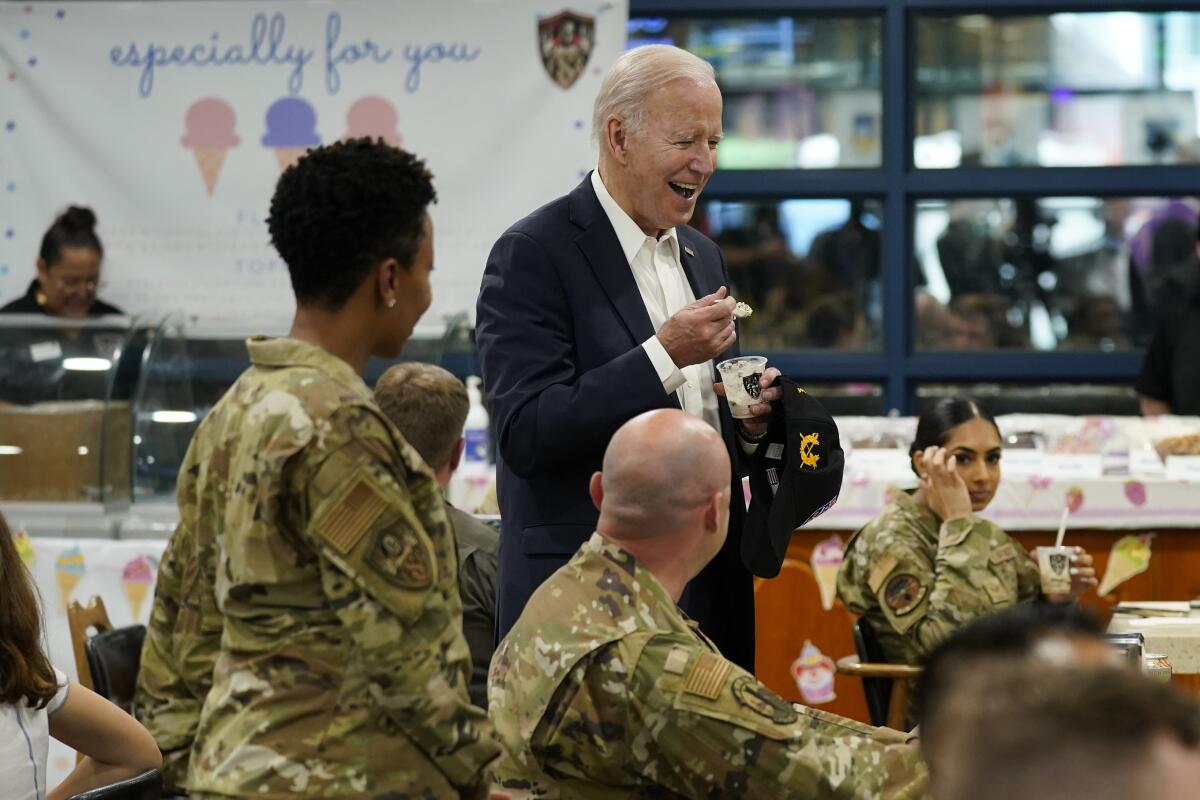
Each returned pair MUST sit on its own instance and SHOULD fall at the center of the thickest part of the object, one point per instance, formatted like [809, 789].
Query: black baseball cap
[795, 476]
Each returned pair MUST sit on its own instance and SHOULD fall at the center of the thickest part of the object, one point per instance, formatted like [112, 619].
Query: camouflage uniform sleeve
[177, 656]
[923, 594]
[392, 581]
[477, 587]
[701, 726]
[1029, 580]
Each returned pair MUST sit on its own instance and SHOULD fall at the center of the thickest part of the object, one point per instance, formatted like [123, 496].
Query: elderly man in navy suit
[604, 304]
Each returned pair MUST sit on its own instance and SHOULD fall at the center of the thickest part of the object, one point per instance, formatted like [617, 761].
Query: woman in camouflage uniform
[927, 564]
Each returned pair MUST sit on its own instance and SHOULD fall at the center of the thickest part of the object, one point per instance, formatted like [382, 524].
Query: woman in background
[927, 564]
[37, 702]
[68, 271]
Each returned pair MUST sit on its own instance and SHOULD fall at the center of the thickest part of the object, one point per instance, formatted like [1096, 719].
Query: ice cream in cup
[1054, 564]
[740, 376]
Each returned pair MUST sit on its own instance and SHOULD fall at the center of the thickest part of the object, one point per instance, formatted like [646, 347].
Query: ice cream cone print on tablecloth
[137, 576]
[291, 129]
[1130, 555]
[826, 561]
[68, 572]
[208, 133]
[813, 672]
[24, 548]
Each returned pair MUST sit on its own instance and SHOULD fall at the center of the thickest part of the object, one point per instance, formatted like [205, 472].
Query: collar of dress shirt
[629, 234]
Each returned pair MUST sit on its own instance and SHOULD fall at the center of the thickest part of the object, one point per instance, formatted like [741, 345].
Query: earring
[391, 303]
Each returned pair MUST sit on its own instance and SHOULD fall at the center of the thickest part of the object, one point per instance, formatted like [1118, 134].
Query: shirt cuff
[670, 375]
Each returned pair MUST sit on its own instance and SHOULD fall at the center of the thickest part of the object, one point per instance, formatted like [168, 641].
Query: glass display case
[96, 415]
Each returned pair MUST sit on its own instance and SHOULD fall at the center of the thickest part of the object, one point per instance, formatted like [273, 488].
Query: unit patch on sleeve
[903, 593]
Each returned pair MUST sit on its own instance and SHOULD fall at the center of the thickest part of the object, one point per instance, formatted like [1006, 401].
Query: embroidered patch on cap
[345, 522]
[809, 457]
[707, 676]
[903, 593]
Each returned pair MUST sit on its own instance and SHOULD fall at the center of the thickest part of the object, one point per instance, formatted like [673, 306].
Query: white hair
[637, 73]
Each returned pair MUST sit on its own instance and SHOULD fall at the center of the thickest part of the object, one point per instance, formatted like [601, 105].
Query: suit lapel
[599, 244]
[704, 280]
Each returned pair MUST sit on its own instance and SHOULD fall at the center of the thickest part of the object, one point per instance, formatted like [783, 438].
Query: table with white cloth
[1177, 636]
[1105, 470]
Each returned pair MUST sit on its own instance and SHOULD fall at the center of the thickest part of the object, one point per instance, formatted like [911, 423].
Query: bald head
[660, 466]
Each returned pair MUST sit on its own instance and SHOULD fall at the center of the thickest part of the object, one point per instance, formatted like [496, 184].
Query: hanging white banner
[173, 120]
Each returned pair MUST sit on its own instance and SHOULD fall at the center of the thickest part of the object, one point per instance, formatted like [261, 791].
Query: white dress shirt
[664, 287]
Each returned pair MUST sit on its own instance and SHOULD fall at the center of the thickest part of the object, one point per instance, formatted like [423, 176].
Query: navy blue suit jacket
[559, 327]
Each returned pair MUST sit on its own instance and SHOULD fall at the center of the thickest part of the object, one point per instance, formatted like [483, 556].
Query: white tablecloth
[1178, 637]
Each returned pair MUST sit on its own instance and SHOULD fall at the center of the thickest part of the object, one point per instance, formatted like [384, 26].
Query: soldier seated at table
[604, 688]
[927, 565]
[429, 406]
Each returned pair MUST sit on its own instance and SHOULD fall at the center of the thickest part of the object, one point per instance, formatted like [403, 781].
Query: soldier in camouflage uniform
[927, 565]
[429, 406]
[605, 689]
[314, 567]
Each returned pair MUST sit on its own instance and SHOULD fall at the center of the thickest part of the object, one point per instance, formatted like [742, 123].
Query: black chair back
[147, 786]
[878, 691]
[114, 657]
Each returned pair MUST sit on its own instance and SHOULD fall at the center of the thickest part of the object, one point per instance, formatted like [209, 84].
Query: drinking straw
[1062, 527]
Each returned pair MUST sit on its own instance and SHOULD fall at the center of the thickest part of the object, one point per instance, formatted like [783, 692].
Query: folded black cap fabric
[795, 476]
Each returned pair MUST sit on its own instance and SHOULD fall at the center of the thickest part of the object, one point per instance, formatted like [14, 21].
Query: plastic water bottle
[475, 471]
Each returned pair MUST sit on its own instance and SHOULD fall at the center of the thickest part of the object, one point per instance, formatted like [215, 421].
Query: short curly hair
[341, 209]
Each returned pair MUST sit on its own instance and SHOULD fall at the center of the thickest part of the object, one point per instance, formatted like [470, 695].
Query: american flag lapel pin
[688, 250]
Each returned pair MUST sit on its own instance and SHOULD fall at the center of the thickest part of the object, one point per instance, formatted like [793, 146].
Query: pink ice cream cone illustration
[1074, 498]
[813, 672]
[375, 118]
[24, 548]
[826, 561]
[208, 133]
[1135, 492]
[136, 578]
[291, 129]
[68, 572]
[1129, 556]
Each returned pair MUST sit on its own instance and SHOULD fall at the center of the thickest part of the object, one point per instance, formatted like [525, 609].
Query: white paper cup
[740, 376]
[1054, 564]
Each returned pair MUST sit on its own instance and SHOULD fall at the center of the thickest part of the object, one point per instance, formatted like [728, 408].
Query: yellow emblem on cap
[807, 457]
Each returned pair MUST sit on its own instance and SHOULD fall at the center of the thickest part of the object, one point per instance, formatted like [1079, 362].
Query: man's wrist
[746, 436]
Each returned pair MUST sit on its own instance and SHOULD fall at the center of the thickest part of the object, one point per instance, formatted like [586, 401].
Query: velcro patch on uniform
[707, 676]
[995, 590]
[903, 593]
[881, 571]
[402, 559]
[345, 521]
[751, 694]
[677, 660]
[1003, 553]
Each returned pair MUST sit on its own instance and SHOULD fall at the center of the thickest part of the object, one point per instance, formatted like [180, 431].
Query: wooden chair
[80, 618]
[886, 686]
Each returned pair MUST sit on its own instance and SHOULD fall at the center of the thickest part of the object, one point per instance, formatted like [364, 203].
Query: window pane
[1057, 90]
[847, 399]
[799, 92]
[1056, 273]
[809, 268]
[1074, 399]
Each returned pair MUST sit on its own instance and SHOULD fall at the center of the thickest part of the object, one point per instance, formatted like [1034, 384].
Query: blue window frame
[897, 185]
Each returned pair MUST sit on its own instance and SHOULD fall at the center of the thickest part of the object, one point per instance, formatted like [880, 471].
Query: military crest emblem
[750, 384]
[566, 41]
[808, 453]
